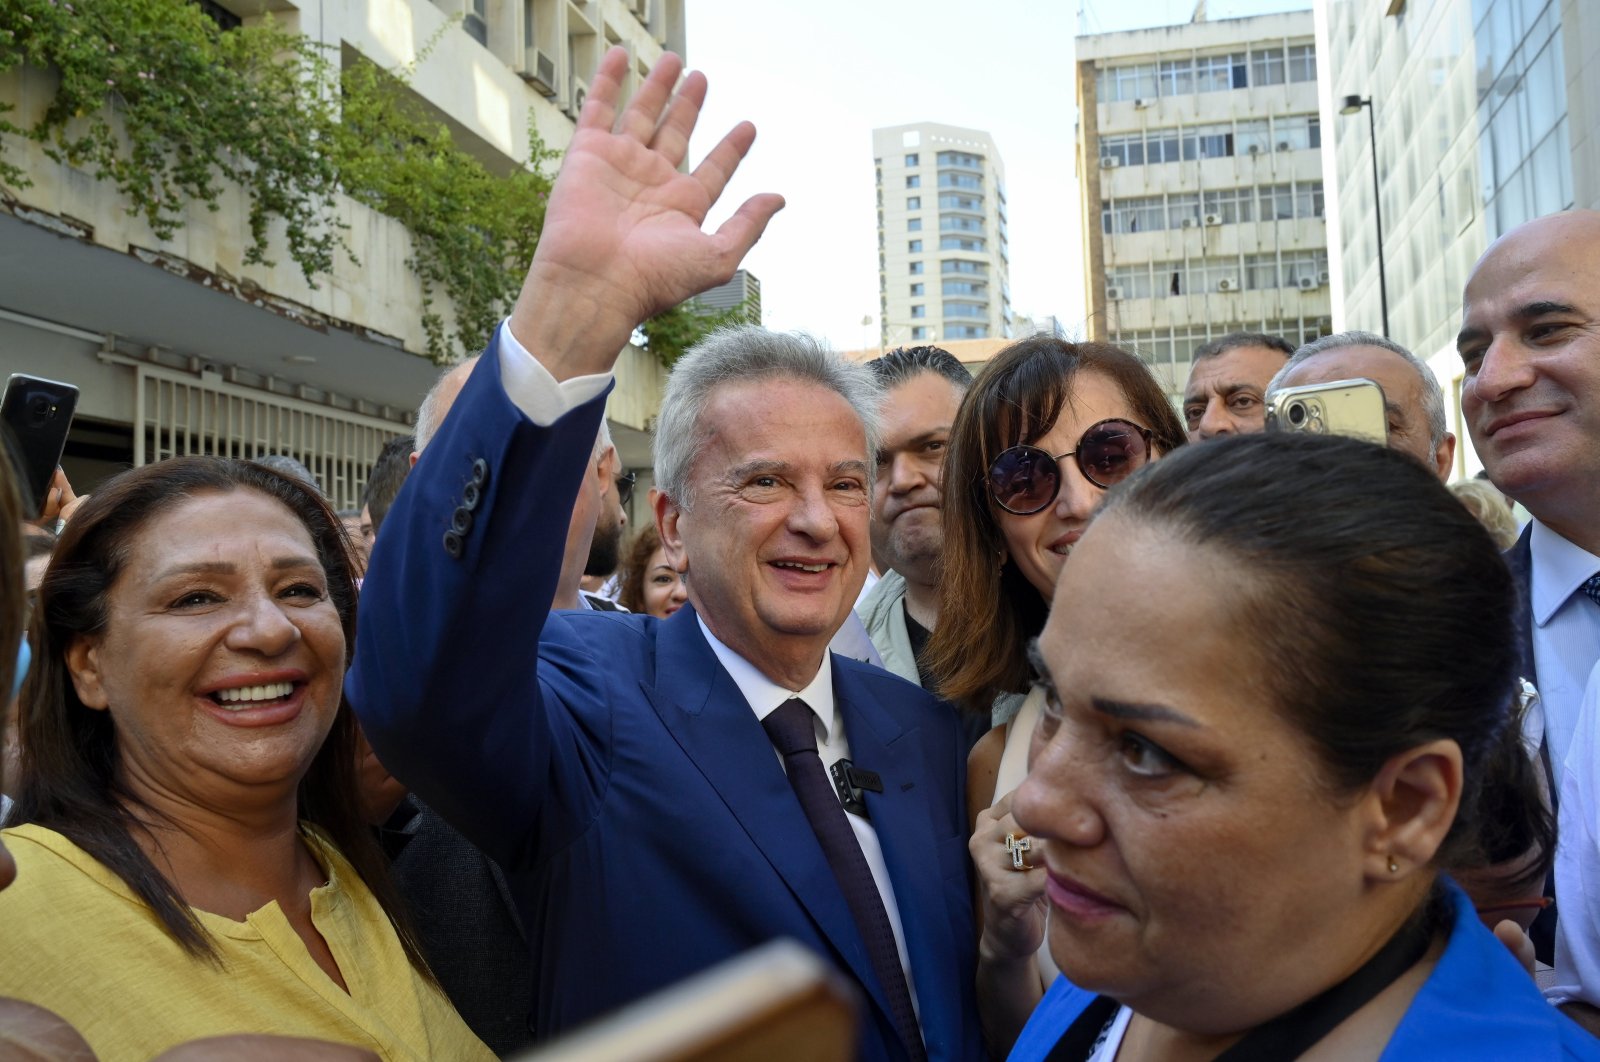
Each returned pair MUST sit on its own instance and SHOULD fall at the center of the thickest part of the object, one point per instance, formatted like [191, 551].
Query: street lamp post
[1353, 104]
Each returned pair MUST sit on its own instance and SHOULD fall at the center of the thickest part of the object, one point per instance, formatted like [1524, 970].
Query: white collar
[765, 696]
[1559, 568]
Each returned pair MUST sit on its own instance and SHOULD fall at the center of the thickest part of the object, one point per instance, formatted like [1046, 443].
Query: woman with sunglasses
[1045, 429]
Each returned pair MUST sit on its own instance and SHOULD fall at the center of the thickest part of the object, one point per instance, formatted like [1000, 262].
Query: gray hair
[1432, 393]
[432, 412]
[748, 352]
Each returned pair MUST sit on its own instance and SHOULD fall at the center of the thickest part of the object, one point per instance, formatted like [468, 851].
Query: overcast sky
[817, 76]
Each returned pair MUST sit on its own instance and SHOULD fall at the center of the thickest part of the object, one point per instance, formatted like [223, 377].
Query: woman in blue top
[1276, 667]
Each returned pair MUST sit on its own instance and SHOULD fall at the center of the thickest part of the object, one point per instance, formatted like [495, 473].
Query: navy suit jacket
[609, 764]
[1519, 558]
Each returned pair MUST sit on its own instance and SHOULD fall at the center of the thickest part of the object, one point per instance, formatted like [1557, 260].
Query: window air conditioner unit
[1113, 293]
[1254, 149]
[580, 92]
[1109, 162]
[1284, 145]
[1227, 284]
[1187, 223]
[1308, 283]
[1213, 219]
[539, 70]
[1322, 277]
[1141, 103]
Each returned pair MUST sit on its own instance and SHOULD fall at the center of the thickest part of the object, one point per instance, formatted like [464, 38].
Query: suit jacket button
[453, 545]
[480, 471]
[470, 496]
[461, 520]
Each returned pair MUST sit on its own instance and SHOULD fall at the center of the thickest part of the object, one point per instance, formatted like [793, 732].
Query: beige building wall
[88, 293]
[943, 254]
[1201, 182]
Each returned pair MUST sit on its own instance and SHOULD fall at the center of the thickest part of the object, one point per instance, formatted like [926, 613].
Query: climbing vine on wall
[154, 97]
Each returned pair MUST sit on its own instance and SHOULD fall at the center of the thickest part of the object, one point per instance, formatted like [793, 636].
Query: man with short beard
[924, 387]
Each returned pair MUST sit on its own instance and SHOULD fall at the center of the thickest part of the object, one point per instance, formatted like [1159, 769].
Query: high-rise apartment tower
[942, 253]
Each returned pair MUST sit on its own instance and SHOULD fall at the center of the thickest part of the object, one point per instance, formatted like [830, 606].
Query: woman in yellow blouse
[191, 856]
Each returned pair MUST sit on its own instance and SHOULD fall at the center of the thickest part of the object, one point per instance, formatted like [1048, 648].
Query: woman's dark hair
[12, 561]
[988, 612]
[1381, 609]
[630, 594]
[70, 780]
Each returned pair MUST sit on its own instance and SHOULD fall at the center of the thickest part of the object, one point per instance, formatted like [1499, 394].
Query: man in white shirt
[1530, 340]
[658, 791]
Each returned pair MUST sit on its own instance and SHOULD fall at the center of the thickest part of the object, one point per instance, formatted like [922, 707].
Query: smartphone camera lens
[1297, 413]
[40, 409]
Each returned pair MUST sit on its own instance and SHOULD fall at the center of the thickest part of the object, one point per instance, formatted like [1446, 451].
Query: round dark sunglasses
[1025, 479]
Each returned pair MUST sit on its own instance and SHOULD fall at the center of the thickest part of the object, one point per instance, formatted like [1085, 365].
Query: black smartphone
[37, 414]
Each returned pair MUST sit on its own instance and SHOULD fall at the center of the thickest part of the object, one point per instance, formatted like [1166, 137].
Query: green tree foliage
[154, 97]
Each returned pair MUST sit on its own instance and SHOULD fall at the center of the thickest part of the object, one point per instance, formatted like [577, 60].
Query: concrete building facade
[1200, 176]
[743, 290]
[943, 255]
[1487, 114]
[182, 346]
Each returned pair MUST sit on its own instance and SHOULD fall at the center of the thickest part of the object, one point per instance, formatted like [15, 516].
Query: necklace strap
[1292, 1033]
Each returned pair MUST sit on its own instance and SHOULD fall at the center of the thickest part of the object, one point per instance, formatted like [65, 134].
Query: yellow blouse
[76, 940]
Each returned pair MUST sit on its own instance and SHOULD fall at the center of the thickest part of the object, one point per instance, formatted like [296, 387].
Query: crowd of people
[1159, 735]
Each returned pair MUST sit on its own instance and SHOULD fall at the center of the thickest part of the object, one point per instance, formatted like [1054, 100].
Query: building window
[913, 202]
[1266, 66]
[959, 223]
[1127, 82]
[914, 225]
[916, 269]
[916, 289]
[968, 181]
[960, 158]
[1303, 62]
[967, 332]
[919, 332]
[913, 181]
[911, 160]
[960, 243]
[960, 265]
[919, 310]
[966, 309]
[914, 247]
[957, 201]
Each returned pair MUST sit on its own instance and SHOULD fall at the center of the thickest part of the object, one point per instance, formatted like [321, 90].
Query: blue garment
[616, 774]
[1477, 1004]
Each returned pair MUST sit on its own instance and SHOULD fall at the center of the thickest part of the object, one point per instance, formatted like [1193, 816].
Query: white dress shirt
[543, 400]
[1566, 635]
[765, 697]
[1577, 974]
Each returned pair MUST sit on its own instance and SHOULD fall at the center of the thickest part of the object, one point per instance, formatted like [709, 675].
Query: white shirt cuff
[532, 389]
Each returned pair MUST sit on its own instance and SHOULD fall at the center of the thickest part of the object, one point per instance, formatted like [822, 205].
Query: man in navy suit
[1530, 341]
[651, 787]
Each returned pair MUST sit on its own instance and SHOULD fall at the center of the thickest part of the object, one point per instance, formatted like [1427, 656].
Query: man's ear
[1413, 800]
[83, 665]
[1444, 457]
[668, 515]
[606, 469]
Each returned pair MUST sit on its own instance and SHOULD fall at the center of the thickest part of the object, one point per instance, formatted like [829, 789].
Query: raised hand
[622, 237]
[1012, 902]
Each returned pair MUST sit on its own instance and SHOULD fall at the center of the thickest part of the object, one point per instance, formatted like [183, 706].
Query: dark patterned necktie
[795, 737]
[1591, 588]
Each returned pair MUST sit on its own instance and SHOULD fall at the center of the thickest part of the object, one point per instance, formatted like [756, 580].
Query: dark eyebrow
[930, 434]
[226, 568]
[1144, 713]
[1526, 312]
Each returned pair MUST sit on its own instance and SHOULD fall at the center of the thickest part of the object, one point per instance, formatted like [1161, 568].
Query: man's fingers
[671, 140]
[600, 112]
[644, 110]
[739, 233]
[717, 168]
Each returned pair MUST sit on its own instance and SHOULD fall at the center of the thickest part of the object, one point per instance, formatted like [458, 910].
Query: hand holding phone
[1339, 407]
[37, 414]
